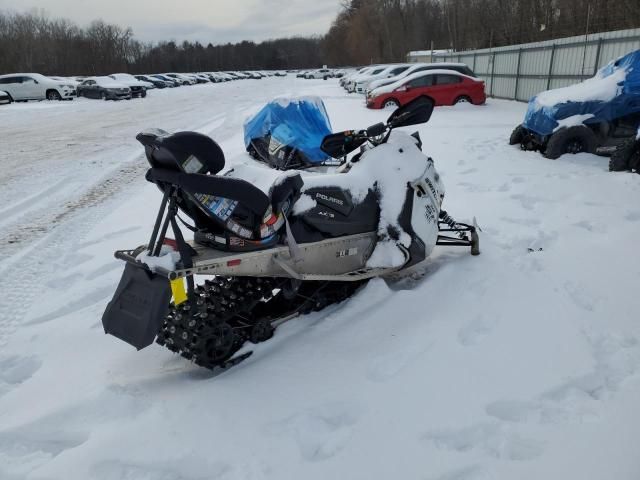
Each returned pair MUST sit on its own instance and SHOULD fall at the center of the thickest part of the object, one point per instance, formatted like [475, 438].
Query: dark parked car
[155, 81]
[105, 88]
[171, 82]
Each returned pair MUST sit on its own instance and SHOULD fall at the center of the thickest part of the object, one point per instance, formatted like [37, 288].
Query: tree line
[32, 42]
[371, 31]
[364, 31]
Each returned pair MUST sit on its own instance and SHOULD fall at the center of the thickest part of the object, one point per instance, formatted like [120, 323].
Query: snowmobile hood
[613, 92]
[301, 123]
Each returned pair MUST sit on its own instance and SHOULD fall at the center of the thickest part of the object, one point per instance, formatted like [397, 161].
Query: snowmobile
[287, 132]
[272, 256]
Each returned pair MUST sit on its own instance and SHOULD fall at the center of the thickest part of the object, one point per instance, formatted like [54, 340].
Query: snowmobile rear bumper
[139, 306]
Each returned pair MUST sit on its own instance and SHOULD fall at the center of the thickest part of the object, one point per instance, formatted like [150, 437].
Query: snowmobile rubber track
[228, 312]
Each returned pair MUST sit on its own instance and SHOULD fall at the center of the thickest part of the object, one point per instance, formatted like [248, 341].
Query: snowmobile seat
[228, 213]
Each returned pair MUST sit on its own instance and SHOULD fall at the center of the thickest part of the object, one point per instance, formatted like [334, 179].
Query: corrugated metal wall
[518, 72]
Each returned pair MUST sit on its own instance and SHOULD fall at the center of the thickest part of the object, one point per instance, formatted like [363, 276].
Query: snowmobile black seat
[229, 213]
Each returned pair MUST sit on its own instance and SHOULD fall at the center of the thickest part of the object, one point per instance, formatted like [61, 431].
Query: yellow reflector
[178, 291]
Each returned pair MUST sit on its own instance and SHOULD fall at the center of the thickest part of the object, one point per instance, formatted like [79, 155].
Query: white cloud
[215, 21]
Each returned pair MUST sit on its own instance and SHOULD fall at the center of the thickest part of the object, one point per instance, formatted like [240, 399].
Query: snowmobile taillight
[170, 242]
[234, 263]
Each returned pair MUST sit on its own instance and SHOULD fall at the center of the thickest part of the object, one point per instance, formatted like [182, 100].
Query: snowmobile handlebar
[339, 145]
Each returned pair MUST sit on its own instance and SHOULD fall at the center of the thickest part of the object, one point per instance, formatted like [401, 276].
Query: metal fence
[518, 72]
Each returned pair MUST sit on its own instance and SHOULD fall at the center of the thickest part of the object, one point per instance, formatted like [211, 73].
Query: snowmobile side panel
[339, 259]
[139, 306]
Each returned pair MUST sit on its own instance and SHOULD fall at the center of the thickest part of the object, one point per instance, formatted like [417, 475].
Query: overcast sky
[215, 21]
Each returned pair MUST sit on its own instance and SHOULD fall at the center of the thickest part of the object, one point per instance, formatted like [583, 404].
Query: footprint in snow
[474, 331]
[474, 472]
[113, 469]
[15, 370]
[492, 439]
[320, 433]
[616, 358]
[581, 296]
[590, 227]
[633, 216]
[388, 366]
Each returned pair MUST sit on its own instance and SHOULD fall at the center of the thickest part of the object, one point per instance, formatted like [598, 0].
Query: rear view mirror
[413, 113]
[376, 130]
[338, 145]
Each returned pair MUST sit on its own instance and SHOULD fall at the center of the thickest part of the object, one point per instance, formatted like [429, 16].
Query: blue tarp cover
[301, 123]
[543, 120]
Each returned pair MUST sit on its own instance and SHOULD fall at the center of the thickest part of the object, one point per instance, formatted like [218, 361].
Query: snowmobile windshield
[301, 123]
[612, 93]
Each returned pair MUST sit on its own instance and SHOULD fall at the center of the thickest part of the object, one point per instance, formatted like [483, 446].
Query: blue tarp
[301, 123]
[543, 120]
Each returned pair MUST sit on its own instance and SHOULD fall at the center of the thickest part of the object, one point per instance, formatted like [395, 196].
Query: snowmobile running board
[351, 252]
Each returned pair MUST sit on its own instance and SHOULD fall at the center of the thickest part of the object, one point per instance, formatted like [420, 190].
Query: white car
[322, 73]
[421, 67]
[390, 71]
[183, 79]
[4, 98]
[33, 86]
[350, 85]
[347, 76]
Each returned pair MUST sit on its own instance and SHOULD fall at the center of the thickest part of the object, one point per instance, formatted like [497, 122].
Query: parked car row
[390, 86]
[22, 87]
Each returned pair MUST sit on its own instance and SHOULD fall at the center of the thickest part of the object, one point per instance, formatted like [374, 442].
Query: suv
[323, 73]
[33, 86]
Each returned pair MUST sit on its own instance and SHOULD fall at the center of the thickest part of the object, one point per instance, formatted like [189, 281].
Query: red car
[444, 87]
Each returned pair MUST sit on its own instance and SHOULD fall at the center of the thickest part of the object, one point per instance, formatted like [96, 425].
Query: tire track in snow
[28, 250]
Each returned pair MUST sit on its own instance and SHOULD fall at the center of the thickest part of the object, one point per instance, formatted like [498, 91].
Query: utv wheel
[53, 95]
[143, 94]
[626, 156]
[577, 139]
[462, 99]
[391, 103]
[103, 96]
[517, 136]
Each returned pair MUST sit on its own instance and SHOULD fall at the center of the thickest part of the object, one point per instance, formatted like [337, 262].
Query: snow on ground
[521, 363]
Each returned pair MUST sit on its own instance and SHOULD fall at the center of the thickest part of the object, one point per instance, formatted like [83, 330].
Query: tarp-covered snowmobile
[301, 245]
[287, 133]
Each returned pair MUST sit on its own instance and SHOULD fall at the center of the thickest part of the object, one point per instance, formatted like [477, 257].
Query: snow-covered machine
[287, 133]
[594, 116]
[296, 248]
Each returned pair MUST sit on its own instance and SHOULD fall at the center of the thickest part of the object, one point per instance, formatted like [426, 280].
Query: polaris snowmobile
[305, 244]
[287, 133]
